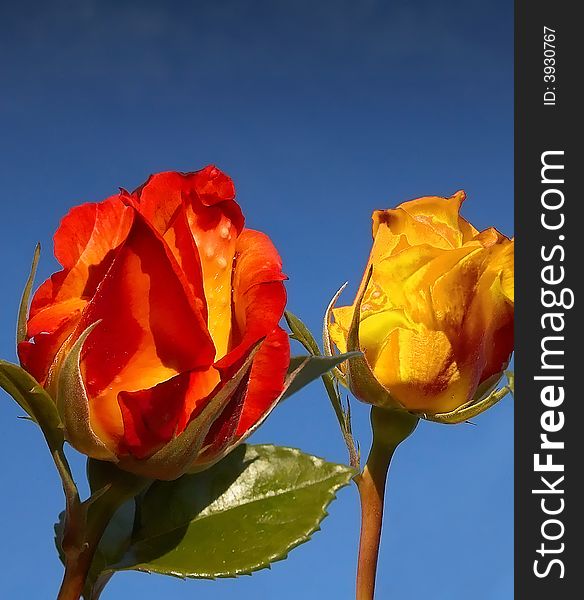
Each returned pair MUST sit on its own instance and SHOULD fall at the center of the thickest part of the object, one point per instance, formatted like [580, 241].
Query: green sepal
[302, 333]
[73, 404]
[326, 337]
[24, 300]
[511, 382]
[470, 410]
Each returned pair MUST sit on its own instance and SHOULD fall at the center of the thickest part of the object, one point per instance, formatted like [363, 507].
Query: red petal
[150, 329]
[259, 296]
[265, 384]
[37, 356]
[85, 244]
[179, 239]
[223, 430]
[259, 299]
[153, 417]
[90, 231]
[163, 193]
[215, 220]
[266, 380]
[213, 186]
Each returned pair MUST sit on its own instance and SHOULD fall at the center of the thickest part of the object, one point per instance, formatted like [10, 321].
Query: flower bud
[433, 315]
[159, 339]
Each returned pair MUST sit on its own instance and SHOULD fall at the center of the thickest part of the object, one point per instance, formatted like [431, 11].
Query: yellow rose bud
[436, 310]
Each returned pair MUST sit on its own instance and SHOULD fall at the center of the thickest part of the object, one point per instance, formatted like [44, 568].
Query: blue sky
[321, 112]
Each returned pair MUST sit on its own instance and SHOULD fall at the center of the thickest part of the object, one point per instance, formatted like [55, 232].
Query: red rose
[159, 339]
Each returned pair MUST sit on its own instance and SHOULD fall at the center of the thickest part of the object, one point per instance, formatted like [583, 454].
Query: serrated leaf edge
[339, 470]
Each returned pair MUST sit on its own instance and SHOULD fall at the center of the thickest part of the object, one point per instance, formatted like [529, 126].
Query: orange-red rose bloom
[181, 293]
[436, 321]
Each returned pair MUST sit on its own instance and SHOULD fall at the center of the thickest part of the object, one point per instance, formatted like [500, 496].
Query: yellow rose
[436, 310]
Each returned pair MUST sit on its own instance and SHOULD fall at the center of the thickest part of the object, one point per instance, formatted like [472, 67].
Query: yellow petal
[488, 327]
[419, 369]
[504, 264]
[407, 278]
[374, 330]
[430, 220]
[454, 288]
[338, 336]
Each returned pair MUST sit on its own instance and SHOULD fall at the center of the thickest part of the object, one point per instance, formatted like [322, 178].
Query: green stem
[86, 522]
[343, 418]
[390, 428]
[79, 558]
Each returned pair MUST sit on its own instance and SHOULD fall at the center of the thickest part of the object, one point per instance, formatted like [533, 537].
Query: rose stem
[78, 561]
[86, 523]
[390, 428]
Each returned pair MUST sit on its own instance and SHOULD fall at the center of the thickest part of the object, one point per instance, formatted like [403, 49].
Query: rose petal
[419, 368]
[259, 299]
[430, 220]
[489, 322]
[259, 296]
[266, 381]
[154, 416]
[151, 328]
[215, 221]
[180, 240]
[85, 244]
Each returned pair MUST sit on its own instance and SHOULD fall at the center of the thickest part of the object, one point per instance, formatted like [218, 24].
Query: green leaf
[311, 368]
[23, 308]
[236, 517]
